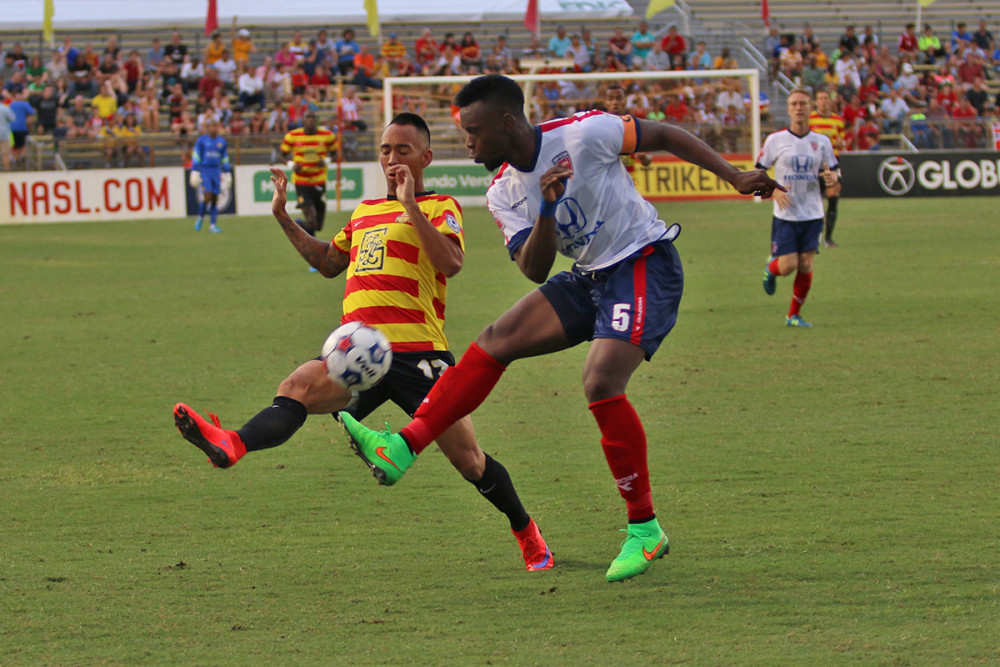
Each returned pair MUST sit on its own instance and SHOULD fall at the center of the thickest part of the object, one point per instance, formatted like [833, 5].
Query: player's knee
[598, 386]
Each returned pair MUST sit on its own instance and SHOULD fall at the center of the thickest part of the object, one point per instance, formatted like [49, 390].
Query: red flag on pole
[765, 13]
[212, 19]
[532, 17]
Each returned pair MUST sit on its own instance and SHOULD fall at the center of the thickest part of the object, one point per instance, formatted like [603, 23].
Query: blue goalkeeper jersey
[210, 154]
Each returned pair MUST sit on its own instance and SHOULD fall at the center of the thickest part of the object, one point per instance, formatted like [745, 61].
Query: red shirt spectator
[209, 83]
[947, 98]
[426, 49]
[674, 43]
[908, 41]
[676, 109]
[867, 136]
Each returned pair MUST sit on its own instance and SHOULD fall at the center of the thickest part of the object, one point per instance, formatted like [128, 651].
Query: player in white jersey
[562, 188]
[801, 158]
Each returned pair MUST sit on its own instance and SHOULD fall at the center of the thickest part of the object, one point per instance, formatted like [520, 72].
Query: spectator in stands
[449, 63]
[505, 58]
[658, 60]
[280, 84]
[257, 123]
[983, 38]
[470, 52]
[208, 83]
[300, 80]
[221, 105]
[908, 44]
[177, 101]
[365, 69]
[559, 43]
[265, 69]
[449, 40]
[226, 67]
[237, 124]
[791, 61]
[277, 120]
[108, 133]
[19, 124]
[133, 69]
[894, 110]
[393, 55]
[612, 64]
[57, 67]
[929, 46]
[854, 113]
[971, 69]
[731, 95]
[129, 147]
[320, 83]
[192, 72]
[298, 46]
[242, 44]
[867, 136]
[206, 114]
[105, 103]
[675, 45]
[80, 118]
[772, 43]
[578, 53]
[724, 60]
[344, 50]
[213, 50]
[46, 108]
[677, 110]
[425, 50]
[176, 50]
[182, 125]
[885, 67]
[351, 109]
[69, 52]
[938, 125]
[701, 59]
[533, 50]
[284, 56]
[849, 42]
[907, 82]
[155, 55]
[960, 37]
[642, 45]
[588, 41]
[34, 71]
[848, 76]
[978, 96]
[733, 121]
[869, 34]
[6, 118]
[170, 74]
[150, 106]
[813, 76]
[327, 46]
[968, 131]
[107, 67]
[111, 48]
[313, 58]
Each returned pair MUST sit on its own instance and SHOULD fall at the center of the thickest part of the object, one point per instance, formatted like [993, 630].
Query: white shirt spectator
[192, 72]
[227, 70]
[251, 83]
[729, 98]
[894, 108]
[847, 72]
[657, 60]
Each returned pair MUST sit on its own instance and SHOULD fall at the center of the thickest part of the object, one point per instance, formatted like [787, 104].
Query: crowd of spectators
[936, 90]
[171, 88]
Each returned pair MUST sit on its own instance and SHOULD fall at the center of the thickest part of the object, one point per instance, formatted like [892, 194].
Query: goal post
[750, 84]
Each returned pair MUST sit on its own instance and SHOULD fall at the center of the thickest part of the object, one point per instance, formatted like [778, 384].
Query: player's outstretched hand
[280, 182]
[756, 182]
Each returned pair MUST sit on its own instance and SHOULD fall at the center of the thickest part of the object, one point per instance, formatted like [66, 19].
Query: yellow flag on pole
[48, 12]
[371, 6]
[926, 3]
[657, 6]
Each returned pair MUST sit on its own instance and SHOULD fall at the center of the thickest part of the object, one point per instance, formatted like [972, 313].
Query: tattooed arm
[324, 257]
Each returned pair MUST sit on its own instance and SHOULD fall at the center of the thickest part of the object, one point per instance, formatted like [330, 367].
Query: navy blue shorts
[211, 181]
[794, 237]
[635, 300]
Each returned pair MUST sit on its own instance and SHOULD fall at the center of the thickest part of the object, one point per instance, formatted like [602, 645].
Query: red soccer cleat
[224, 448]
[536, 553]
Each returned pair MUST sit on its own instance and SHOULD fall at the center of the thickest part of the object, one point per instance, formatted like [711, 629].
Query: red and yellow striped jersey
[832, 126]
[309, 150]
[391, 283]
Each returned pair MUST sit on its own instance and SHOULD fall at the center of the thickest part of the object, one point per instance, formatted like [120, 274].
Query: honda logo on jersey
[802, 164]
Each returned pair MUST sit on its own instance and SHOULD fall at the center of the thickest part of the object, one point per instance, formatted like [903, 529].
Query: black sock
[831, 217]
[497, 488]
[273, 425]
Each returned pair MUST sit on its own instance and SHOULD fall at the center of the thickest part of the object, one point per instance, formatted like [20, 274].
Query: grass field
[830, 494]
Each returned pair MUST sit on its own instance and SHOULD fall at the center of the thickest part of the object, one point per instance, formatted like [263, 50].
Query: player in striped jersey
[398, 253]
[308, 147]
[831, 125]
[561, 187]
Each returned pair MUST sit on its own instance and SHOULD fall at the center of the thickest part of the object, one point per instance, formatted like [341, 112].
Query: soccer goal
[417, 93]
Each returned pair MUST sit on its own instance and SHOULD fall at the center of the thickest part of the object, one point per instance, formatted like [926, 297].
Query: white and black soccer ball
[357, 356]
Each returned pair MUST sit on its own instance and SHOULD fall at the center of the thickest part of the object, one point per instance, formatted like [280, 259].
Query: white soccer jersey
[601, 218]
[797, 162]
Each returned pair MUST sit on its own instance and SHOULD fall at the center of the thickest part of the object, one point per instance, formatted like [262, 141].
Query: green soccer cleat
[386, 453]
[770, 282]
[644, 543]
[796, 321]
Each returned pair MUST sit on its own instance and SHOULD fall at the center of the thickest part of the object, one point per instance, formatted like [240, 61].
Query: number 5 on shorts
[621, 316]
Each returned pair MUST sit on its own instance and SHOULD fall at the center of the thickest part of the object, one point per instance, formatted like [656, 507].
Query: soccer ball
[357, 356]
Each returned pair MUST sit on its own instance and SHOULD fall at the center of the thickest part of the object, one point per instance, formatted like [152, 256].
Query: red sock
[624, 443]
[459, 391]
[773, 267]
[803, 281]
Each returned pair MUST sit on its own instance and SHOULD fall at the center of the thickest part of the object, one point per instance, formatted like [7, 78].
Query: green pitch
[830, 494]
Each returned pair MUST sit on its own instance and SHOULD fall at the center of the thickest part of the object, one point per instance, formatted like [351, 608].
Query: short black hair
[496, 90]
[408, 118]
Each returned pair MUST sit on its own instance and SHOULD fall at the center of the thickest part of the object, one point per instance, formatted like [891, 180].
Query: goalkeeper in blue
[208, 164]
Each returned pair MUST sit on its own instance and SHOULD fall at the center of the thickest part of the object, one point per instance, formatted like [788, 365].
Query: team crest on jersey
[452, 223]
[403, 218]
[563, 160]
[371, 250]
[815, 146]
